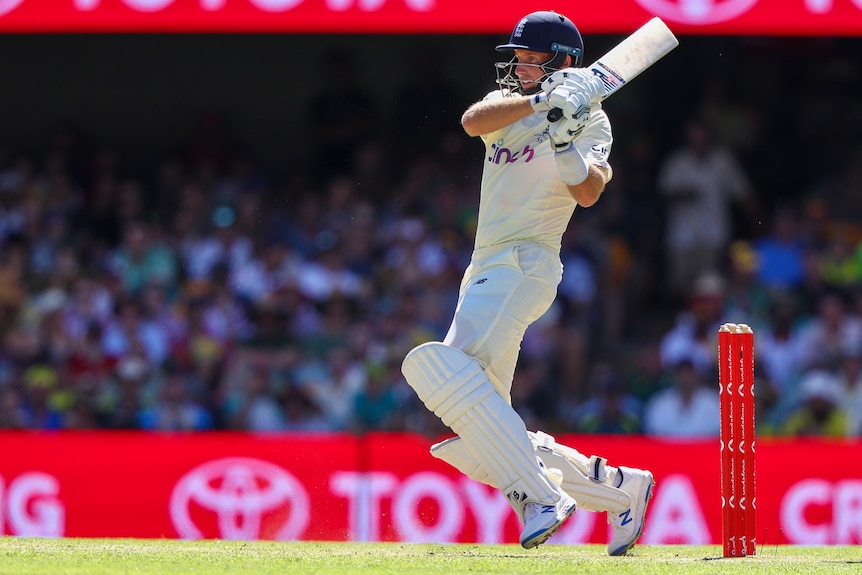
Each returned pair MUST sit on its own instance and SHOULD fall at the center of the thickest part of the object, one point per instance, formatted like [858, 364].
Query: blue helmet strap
[575, 53]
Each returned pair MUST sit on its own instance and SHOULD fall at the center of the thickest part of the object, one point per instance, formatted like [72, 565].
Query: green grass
[172, 557]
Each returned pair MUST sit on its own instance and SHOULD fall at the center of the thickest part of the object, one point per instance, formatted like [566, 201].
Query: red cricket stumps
[737, 438]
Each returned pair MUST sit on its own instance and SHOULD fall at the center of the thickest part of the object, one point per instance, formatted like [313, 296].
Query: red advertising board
[388, 488]
[739, 17]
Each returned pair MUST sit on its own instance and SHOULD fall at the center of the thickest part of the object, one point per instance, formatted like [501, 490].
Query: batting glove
[575, 106]
[539, 102]
[563, 132]
[578, 79]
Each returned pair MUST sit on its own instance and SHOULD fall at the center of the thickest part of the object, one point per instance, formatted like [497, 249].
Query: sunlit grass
[173, 557]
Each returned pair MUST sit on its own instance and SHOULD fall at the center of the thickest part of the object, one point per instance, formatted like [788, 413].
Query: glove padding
[563, 132]
[575, 107]
[577, 79]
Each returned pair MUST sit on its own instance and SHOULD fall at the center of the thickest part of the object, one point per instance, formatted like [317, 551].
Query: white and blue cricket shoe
[629, 525]
[540, 521]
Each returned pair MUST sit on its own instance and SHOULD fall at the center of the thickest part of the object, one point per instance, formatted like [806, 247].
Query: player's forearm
[485, 117]
[588, 192]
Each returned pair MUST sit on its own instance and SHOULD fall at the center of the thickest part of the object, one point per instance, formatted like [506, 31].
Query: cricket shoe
[629, 524]
[540, 521]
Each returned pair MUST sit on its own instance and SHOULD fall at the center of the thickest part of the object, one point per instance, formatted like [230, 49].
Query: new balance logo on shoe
[626, 518]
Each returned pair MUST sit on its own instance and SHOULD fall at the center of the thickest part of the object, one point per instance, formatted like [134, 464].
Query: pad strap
[597, 468]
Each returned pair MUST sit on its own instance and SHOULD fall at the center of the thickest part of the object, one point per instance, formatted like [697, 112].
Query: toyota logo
[240, 499]
[698, 12]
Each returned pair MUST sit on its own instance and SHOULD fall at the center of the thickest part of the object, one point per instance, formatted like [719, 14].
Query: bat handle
[554, 114]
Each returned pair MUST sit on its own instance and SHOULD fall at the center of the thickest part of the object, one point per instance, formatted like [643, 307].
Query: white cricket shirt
[522, 195]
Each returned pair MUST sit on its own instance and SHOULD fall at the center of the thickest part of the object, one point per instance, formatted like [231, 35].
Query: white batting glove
[575, 107]
[563, 132]
[539, 102]
[580, 79]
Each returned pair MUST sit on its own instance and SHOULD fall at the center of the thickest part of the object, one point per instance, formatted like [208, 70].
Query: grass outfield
[173, 557]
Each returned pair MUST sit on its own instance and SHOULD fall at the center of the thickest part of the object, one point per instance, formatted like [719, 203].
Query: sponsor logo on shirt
[503, 155]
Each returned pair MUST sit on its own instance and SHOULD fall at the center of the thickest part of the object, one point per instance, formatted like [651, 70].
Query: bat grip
[554, 114]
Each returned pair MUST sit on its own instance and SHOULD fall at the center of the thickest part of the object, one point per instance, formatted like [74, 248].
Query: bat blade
[625, 61]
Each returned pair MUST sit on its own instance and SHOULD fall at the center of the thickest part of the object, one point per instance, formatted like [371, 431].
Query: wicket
[736, 390]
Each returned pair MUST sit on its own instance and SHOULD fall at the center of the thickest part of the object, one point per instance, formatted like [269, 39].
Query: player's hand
[580, 79]
[575, 107]
[563, 132]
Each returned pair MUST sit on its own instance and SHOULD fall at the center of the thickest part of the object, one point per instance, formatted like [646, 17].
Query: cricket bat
[625, 61]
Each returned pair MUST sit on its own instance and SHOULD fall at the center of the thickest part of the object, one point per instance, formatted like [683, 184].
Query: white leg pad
[455, 452]
[586, 480]
[454, 386]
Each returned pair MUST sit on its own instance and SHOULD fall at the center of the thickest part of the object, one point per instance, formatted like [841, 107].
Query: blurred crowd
[206, 293]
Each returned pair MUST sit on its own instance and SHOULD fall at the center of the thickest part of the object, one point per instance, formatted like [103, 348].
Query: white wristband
[539, 102]
[572, 166]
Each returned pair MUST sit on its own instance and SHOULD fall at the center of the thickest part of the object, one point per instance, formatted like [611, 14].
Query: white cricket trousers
[504, 289]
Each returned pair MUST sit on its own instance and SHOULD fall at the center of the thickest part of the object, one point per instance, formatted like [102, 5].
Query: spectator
[88, 358]
[175, 409]
[700, 184]
[839, 264]
[687, 409]
[43, 404]
[778, 349]
[131, 332]
[830, 334]
[377, 406]
[781, 253]
[612, 409]
[252, 406]
[302, 414]
[125, 395]
[13, 414]
[850, 380]
[819, 412]
[141, 259]
[271, 266]
[224, 246]
[694, 336]
[646, 376]
[746, 299]
[334, 384]
[328, 274]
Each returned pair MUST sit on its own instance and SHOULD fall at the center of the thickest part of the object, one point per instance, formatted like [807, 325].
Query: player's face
[529, 69]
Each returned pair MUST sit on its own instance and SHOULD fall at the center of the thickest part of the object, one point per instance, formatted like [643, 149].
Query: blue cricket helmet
[543, 31]
[546, 31]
